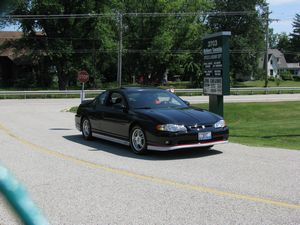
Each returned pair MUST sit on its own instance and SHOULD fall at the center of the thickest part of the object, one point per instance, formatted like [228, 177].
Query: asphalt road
[79, 182]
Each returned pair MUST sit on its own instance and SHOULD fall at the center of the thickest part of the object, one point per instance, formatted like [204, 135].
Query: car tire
[86, 129]
[138, 142]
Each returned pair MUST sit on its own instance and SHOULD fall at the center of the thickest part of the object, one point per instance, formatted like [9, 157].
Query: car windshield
[148, 99]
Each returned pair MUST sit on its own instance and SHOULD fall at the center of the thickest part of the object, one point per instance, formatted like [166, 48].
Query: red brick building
[13, 62]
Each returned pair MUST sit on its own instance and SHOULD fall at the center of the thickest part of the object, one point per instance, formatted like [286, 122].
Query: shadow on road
[121, 150]
[58, 129]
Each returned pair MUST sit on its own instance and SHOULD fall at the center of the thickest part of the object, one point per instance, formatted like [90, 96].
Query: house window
[271, 62]
[271, 72]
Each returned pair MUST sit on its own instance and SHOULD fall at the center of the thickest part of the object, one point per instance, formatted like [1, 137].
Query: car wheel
[138, 141]
[86, 129]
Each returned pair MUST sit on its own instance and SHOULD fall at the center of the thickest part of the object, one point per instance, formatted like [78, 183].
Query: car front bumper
[176, 147]
[169, 141]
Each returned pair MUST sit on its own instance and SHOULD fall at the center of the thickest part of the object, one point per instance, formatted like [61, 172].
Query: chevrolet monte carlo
[149, 119]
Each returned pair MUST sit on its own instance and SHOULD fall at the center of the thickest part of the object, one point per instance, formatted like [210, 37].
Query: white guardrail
[199, 91]
[267, 90]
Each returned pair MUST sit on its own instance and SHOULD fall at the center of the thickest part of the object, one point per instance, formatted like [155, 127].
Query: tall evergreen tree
[295, 38]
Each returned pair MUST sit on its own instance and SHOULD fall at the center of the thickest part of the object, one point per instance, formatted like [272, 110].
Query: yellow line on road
[157, 180]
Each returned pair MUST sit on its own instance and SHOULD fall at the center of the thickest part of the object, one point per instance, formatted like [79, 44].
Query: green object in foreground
[275, 124]
[19, 200]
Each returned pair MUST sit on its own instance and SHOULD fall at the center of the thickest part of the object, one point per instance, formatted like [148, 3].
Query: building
[14, 63]
[277, 64]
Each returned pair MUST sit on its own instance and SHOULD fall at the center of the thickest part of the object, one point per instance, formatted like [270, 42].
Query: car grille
[200, 127]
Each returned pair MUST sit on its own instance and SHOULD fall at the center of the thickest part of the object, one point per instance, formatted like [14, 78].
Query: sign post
[83, 77]
[216, 82]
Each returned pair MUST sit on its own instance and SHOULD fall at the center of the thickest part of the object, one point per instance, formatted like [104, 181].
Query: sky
[285, 11]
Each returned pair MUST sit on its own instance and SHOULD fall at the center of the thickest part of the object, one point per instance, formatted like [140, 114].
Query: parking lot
[75, 181]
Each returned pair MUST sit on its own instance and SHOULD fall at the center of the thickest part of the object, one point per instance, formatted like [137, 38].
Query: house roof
[9, 35]
[11, 53]
[18, 56]
[275, 52]
[279, 56]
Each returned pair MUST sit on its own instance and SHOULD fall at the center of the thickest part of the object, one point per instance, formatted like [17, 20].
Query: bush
[277, 81]
[271, 78]
[286, 75]
[296, 78]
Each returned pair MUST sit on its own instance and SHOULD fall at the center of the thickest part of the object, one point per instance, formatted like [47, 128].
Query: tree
[69, 43]
[152, 44]
[156, 44]
[247, 40]
[6, 7]
[285, 46]
[273, 38]
[295, 38]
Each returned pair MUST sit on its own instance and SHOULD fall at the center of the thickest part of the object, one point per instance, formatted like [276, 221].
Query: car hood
[186, 116]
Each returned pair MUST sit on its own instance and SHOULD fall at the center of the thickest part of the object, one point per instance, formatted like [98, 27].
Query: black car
[149, 119]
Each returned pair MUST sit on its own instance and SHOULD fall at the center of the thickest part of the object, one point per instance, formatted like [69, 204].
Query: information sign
[216, 64]
[216, 82]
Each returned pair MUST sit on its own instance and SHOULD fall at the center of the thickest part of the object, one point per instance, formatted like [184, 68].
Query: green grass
[73, 109]
[261, 124]
[261, 83]
[264, 124]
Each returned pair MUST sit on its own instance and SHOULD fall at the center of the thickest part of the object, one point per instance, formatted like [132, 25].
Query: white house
[277, 64]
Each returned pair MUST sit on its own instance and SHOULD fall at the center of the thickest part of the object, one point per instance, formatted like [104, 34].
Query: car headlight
[220, 124]
[171, 128]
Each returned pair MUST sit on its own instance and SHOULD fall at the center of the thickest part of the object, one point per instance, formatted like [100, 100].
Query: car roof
[134, 89]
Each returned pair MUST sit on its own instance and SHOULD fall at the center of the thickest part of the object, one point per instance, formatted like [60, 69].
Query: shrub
[286, 75]
[296, 78]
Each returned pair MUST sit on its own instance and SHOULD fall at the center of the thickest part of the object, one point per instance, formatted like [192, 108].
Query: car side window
[116, 99]
[101, 98]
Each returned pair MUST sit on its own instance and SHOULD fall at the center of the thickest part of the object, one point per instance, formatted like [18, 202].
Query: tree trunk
[62, 81]
[62, 76]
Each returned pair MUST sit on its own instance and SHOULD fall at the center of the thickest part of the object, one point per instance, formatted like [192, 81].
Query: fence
[91, 93]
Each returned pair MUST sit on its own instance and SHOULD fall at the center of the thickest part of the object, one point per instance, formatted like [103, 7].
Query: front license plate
[204, 136]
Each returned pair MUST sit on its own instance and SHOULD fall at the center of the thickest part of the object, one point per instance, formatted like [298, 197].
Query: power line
[56, 16]
[132, 14]
[152, 51]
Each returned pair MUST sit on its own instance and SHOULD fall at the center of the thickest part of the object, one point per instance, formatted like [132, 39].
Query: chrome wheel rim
[138, 139]
[86, 128]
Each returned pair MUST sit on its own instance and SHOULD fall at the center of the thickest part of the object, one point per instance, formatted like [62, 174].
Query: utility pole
[267, 47]
[119, 76]
[94, 61]
[268, 21]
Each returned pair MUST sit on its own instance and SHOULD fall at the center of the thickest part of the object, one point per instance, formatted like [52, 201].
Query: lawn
[261, 83]
[264, 124]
